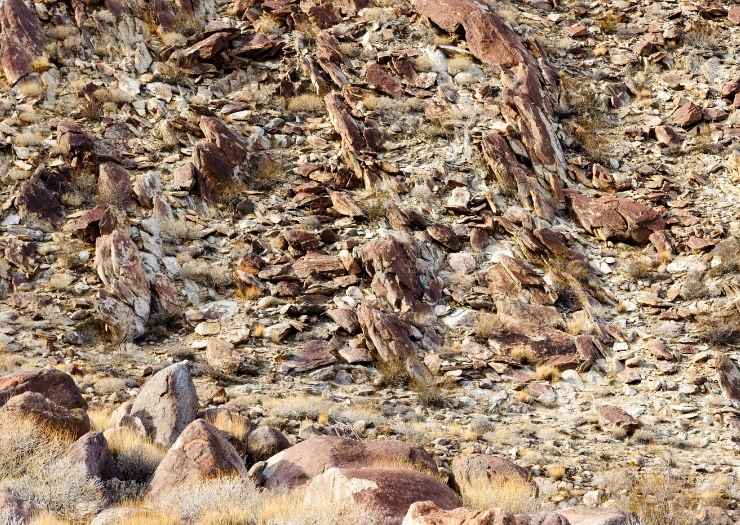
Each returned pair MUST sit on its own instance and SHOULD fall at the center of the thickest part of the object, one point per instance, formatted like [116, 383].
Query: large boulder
[34, 406]
[167, 403]
[296, 465]
[474, 469]
[265, 442]
[201, 452]
[91, 453]
[22, 38]
[53, 384]
[428, 513]
[387, 492]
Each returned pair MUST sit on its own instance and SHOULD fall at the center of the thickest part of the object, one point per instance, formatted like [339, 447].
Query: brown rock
[616, 421]
[392, 265]
[35, 406]
[444, 235]
[610, 217]
[184, 177]
[687, 115]
[427, 513]
[345, 205]
[383, 491]
[126, 301]
[733, 14]
[731, 87]
[223, 357]
[229, 143]
[265, 442]
[317, 263]
[91, 453]
[667, 136]
[22, 38]
[379, 78]
[346, 319]
[298, 464]
[477, 469]
[53, 384]
[39, 203]
[114, 186]
[167, 403]
[314, 354]
[201, 452]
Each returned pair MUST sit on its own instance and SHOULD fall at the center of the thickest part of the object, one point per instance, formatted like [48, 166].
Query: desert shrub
[658, 498]
[511, 494]
[135, 456]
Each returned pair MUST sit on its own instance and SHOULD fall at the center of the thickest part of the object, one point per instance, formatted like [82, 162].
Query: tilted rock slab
[22, 38]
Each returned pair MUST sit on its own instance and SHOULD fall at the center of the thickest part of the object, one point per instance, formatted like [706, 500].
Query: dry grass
[135, 456]
[28, 138]
[556, 471]
[524, 355]
[210, 497]
[640, 267]
[46, 518]
[99, 418]
[307, 103]
[207, 273]
[231, 424]
[547, 373]
[295, 509]
[488, 325]
[509, 494]
[298, 406]
[658, 498]
[458, 64]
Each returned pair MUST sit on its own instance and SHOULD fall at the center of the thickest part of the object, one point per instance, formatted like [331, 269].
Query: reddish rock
[125, 303]
[687, 115]
[345, 205]
[667, 136]
[731, 87]
[167, 403]
[184, 177]
[616, 421]
[733, 14]
[317, 263]
[229, 143]
[39, 203]
[346, 318]
[314, 354]
[91, 453]
[53, 384]
[200, 453]
[297, 465]
[577, 31]
[610, 217]
[392, 265]
[35, 406]
[379, 78]
[477, 469]
[22, 38]
[662, 244]
[114, 186]
[386, 492]
[444, 235]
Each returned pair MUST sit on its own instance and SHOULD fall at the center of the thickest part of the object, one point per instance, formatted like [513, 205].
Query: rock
[344, 205]
[114, 186]
[296, 465]
[45, 412]
[379, 78]
[587, 516]
[427, 513]
[201, 452]
[384, 491]
[265, 442]
[733, 14]
[444, 235]
[389, 336]
[392, 265]
[23, 39]
[728, 373]
[667, 136]
[53, 384]
[223, 357]
[346, 319]
[687, 115]
[476, 469]
[126, 301]
[611, 217]
[314, 354]
[91, 453]
[616, 421]
[167, 403]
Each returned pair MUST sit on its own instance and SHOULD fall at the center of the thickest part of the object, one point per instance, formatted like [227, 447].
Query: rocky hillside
[437, 262]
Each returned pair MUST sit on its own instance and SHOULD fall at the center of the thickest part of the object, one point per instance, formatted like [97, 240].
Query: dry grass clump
[231, 424]
[488, 325]
[299, 406]
[307, 103]
[640, 268]
[233, 495]
[294, 508]
[458, 63]
[555, 471]
[99, 418]
[547, 373]
[511, 494]
[524, 354]
[207, 273]
[135, 456]
[26, 446]
[658, 498]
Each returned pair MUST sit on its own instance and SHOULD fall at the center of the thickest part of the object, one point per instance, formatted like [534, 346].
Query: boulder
[22, 37]
[167, 403]
[53, 384]
[427, 513]
[616, 421]
[386, 492]
[223, 357]
[265, 442]
[201, 452]
[114, 186]
[296, 465]
[35, 406]
[91, 453]
[470, 469]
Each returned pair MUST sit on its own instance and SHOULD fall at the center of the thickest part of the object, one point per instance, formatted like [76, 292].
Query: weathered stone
[53, 384]
[114, 186]
[265, 442]
[587, 516]
[392, 265]
[167, 403]
[427, 513]
[91, 453]
[35, 406]
[200, 453]
[346, 318]
[687, 115]
[126, 301]
[344, 205]
[317, 263]
[383, 491]
[378, 77]
[616, 421]
[298, 464]
[223, 357]
[23, 39]
[476, 470]
[314, 354]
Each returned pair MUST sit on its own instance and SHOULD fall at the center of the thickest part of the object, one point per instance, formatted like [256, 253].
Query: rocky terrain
[369, 261]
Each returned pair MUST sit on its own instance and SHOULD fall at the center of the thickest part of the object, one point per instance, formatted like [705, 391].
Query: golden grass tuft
[459, 63]
[136, 456]
[306, 103]
[232, 424]
[547, 373]
[99, 418]
[511, 494]
[41, 64]
[488, 325]
[659, 498]
[524, 354]
[556, 471]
